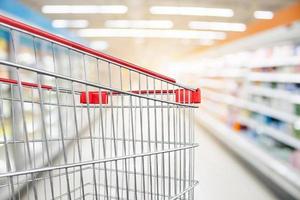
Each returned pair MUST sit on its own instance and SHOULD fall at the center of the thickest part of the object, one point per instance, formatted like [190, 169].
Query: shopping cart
[79, 124]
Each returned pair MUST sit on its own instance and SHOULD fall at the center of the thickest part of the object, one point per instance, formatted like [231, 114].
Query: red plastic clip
[94, 98]
[34, 85]
[188, 96]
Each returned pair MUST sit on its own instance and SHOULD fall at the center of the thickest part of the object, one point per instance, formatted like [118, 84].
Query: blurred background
[245, 57]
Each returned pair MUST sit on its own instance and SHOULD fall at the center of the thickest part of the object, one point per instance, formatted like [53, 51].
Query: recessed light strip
[217, 26]
[152, 33]
[263, 14]
[84, 9]
[191, 11]
[62, 23]
[147, 24]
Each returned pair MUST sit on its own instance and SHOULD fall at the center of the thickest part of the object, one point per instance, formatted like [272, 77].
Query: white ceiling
[156, 52]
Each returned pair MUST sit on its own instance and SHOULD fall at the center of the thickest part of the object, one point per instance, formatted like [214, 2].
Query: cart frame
[130, 137]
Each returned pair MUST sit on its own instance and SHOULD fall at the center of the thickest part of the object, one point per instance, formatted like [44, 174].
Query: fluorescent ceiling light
[196, 11]
[152, 33]
[61, 23]
[155, 24]
[217, 26]
[84, 9]
[263, 14]
[99, 45]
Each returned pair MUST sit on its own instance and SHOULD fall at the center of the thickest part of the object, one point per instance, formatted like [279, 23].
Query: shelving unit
[255, 107]
[259, 127]
[251, 102]
[274, 93]
[272, 132]
[280, 173]
[274, 77]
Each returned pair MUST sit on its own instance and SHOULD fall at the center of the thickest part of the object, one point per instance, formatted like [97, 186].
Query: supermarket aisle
[221, 176]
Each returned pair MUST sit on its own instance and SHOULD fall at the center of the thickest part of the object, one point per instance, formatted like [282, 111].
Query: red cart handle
[55, 38]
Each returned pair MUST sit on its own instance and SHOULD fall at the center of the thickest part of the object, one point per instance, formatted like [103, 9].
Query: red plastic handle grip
[39, 32]
[94, 98]
[188, 96]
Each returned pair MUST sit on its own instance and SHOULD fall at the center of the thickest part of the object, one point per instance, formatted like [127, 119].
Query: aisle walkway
[221, 176]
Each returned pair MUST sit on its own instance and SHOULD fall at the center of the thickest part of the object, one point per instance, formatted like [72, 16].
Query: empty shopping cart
[79, 124]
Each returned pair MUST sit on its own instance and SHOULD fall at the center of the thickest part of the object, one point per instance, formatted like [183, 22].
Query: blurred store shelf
[274, 93]
[274, 77]
[255, 107]
[251, 102]
[272, 132]
[277, 171]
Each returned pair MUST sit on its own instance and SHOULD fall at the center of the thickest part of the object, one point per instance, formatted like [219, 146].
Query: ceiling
[150, 52]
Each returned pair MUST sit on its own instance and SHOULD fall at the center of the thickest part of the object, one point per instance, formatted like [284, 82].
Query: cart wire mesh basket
[79, 124]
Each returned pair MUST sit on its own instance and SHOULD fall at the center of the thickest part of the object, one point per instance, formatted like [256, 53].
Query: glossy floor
[222, 176]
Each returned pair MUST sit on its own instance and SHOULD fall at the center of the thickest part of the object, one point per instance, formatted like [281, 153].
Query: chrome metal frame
[138, 146]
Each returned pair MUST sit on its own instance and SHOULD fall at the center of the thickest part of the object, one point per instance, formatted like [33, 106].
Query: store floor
[221, 175]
